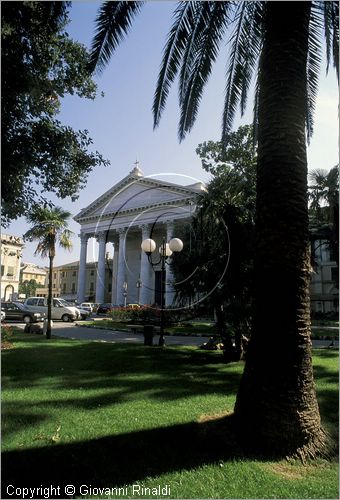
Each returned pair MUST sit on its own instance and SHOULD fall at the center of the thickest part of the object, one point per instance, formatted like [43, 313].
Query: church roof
[136, 192]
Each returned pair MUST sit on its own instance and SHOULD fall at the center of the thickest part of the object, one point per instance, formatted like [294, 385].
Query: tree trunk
[49, 298]
[238, 341]
[224, 333]
[276, 408]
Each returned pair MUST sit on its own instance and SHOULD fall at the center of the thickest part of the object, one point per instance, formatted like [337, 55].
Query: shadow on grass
[131, 457]
[122, 459]
[128, 370]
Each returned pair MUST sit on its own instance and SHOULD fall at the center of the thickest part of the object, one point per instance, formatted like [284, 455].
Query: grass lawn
[126, 416]
[325, 333]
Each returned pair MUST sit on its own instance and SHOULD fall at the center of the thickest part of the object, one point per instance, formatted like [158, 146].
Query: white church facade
[136, 208]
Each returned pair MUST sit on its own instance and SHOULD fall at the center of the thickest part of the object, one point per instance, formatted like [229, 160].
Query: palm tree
[324, 207]
[276, 407]
[49, 228]
[324, 194]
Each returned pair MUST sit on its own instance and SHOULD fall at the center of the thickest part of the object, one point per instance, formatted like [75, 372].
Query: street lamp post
[165, 251]
[125, 287]
[138, 286]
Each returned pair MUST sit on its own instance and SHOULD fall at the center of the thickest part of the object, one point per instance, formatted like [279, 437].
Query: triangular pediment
[133, 194]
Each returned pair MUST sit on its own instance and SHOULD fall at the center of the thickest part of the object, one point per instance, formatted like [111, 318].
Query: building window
[64, 287]
[73, 287]
[91, 286]
[55, 276]
[10, 271]
[92, 272]
[2, 270]
[74, 273]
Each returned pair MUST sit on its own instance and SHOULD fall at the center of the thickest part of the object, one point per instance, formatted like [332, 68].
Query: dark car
[105, 308]
[17, 311]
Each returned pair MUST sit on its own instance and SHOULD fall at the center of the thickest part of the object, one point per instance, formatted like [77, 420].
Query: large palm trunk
[276, 405]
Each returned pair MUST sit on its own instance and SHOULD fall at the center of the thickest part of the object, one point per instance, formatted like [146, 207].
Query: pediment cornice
[132, 211]
[185, 195]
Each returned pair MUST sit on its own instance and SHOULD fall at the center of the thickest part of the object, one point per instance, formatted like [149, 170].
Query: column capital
[101, 236]
[121, 231]
[145, 230]
[84, 237]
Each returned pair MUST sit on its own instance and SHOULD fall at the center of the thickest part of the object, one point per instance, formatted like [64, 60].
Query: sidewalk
[84, 333]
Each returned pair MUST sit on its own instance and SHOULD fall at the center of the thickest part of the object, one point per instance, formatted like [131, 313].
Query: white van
[60, 308]
[88, 306]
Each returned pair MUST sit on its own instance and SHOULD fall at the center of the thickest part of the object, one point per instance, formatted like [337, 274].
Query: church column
[100, 285]
[114, 277]
[121, 266]
[81, 289]
[146, 271]
[169, 290]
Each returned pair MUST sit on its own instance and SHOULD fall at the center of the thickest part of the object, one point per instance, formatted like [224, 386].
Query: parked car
[105, 308]
[133, 306]
[88, 306]
[19, 312]
[3, 315]
[84, 313]
[60, 308]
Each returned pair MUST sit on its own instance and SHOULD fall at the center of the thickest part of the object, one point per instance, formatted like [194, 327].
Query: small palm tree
[49, 226]
[324, 190]
[324, 207]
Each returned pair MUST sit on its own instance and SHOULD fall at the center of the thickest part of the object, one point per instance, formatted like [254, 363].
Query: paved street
[73, 331]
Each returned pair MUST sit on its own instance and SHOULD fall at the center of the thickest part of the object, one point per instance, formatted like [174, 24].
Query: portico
[136, 208]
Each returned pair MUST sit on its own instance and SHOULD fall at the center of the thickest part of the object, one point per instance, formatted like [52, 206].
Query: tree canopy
[40, 65]
[324, 209]
[217, 267]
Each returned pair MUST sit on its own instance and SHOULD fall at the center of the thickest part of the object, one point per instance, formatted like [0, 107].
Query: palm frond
[64, 239]
[112, 24]
[173, 53]
[256, 107]
[204, 52]
[330, 10]
[246, 43]
[198, 24]
[313, 68]
[49, 226]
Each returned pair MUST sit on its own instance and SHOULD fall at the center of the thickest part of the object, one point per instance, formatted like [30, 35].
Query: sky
[121, 126]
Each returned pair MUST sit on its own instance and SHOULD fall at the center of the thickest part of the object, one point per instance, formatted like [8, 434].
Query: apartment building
[11, 254]
[325, 279]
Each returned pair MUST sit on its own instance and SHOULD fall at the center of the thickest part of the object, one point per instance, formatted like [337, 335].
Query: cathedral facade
[131, 211]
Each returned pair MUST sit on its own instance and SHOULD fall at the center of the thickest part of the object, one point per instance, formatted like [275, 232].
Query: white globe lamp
[176, 245]
[148, 246]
